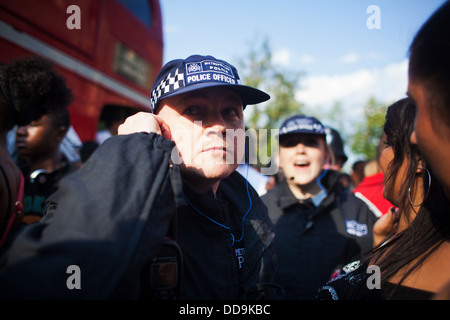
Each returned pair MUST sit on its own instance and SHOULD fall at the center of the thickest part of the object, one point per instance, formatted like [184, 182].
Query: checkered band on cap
[197, 72]
[173, 81]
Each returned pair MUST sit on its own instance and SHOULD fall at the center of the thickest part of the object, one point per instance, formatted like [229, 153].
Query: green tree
[368, 132]
[258, 70]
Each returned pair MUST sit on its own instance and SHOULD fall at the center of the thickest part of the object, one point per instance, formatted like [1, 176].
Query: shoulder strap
[8, 188]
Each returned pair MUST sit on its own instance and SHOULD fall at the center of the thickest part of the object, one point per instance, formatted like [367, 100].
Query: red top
[370, 190]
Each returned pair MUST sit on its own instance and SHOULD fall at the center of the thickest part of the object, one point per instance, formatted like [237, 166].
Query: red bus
[109, 51]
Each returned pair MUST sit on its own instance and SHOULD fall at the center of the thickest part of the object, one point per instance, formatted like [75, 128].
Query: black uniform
[312, 241]
[109, 219]
[221, 263]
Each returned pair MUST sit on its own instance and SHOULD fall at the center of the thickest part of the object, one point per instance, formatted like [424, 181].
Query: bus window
[141, 9]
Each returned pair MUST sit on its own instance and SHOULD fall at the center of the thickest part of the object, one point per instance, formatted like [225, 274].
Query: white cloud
[281, 57]
[349, 58]
[353, 90]
[284, 57]
[307, 59]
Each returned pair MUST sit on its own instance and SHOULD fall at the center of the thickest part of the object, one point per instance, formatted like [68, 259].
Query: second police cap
[302, 124]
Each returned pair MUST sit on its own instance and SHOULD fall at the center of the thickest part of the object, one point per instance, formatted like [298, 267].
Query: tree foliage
[258, 70]
[370, 130]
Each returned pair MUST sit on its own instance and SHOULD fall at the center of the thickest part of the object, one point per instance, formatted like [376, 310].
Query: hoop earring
[426, 194]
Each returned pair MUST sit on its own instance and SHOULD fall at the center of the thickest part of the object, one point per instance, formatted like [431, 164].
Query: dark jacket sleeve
[110, 218]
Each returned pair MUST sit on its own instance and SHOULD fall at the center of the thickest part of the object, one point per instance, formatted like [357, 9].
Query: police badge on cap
[302, 124]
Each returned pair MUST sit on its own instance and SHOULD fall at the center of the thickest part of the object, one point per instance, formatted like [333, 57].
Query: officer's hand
[145, 122]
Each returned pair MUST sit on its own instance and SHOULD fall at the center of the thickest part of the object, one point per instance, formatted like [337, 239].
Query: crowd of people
[161, 209]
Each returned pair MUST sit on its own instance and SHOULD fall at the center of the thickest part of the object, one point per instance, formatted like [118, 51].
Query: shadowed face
[40, 137]
[203, 125]
[431, 134]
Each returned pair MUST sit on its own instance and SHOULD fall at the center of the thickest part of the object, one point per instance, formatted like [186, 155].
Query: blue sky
[318, 34]
[327, 40]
